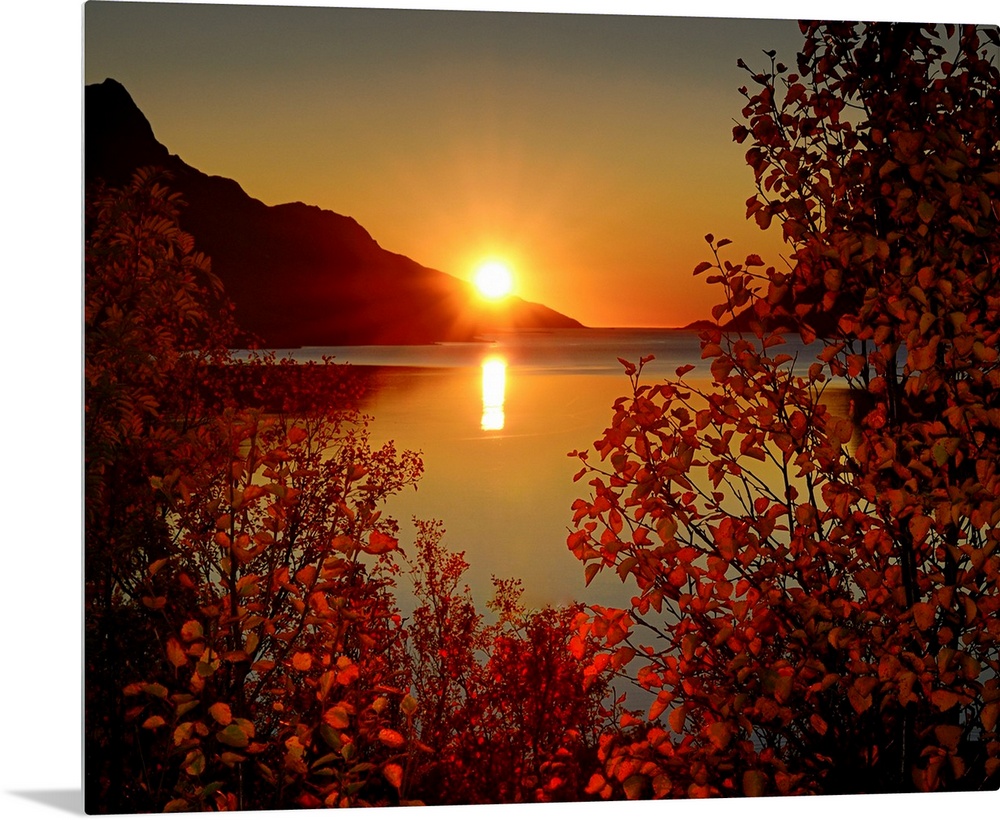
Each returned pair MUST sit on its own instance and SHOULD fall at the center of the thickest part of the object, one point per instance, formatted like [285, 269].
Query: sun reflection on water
[494, 385]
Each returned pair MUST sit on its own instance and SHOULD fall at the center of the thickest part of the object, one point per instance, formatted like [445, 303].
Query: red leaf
[380, 544]
[659, 705]
[944, 700]
[923, 615]
[391, 738]
[719, 734]
[252, 492]
[394, 774]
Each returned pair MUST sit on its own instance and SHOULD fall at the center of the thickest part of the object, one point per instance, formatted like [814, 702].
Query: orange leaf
[307, 575]
[662, 699]
[379, 544]
[754, 783]
[252, 492]
[348, 672]
[719, 734]
[175, 652]
[192, 630]
[391, 738]
[234, 736]
[990, 715]
[944, 700]
[923, 615]
[337, 717]
[633, 786]
[156, 566]
[394, 774]
[622, 657]
[948, 736]
[861, 701]
[783, 688]
[919, 526]
[222, 714]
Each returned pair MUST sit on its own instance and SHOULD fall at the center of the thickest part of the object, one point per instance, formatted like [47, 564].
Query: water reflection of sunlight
[494, 384]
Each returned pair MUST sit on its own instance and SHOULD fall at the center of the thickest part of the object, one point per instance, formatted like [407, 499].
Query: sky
[41, 45]
[590, 152]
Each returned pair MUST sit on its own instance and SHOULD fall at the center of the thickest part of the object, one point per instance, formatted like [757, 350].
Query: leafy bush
[815, 547]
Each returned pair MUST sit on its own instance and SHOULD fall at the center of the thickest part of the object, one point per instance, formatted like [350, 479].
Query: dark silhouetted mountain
[297, 274]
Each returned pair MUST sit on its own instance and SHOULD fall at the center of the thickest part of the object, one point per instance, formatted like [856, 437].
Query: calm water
[495, 422]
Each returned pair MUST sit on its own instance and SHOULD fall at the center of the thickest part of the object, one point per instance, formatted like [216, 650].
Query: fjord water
[494, 422]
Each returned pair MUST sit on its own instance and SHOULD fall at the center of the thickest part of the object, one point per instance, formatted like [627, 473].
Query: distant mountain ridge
[298, 275]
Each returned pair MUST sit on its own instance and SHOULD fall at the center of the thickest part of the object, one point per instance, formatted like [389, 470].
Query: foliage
[281, 682]
[243, 647]
[506, 714]
[154, 316]
[815, 547]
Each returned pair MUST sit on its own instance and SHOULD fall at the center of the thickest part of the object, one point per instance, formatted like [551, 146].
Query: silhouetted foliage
[506, 713]
[815, 545]
[154, 316]
[243, 648]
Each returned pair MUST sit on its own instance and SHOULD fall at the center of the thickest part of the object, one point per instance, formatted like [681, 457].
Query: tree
[281, 680]
[506, 713]
[154, 318]
[815, 545]
[239, 611]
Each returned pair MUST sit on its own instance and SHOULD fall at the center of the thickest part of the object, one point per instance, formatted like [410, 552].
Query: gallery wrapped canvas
[670, 470]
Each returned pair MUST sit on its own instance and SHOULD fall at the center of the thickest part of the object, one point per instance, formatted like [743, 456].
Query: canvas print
[495, 407]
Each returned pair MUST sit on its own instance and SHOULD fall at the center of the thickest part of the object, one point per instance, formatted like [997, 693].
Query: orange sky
[593, 153]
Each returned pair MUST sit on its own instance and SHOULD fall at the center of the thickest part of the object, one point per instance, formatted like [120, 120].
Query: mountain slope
[298, 275]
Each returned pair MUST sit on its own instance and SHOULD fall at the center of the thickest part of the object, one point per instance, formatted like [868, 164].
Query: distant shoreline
[694, 327]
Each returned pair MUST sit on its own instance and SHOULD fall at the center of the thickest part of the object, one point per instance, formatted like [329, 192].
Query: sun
[494, 280]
